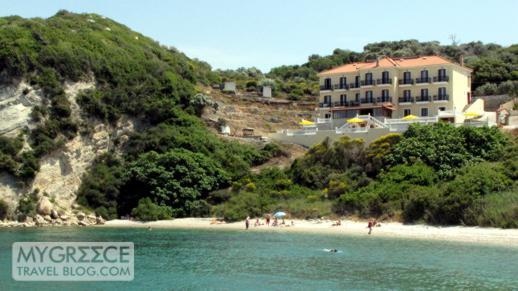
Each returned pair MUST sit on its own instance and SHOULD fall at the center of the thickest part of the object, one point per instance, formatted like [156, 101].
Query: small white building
[229, 87]
[267, 91]
[225, 129]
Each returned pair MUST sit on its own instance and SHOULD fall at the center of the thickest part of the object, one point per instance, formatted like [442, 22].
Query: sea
[179, 259]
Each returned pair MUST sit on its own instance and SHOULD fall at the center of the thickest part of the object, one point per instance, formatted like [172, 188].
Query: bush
[27, 205]
[149, 211]
[494, 210]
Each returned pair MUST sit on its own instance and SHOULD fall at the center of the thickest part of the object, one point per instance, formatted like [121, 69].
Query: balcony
[423, 80]
[326, 87]
[423, 99]
[439, 79]
[384, 81]
[384, 99]
[366, 100]
[354, 85]
[367, 83]
[441, 98]
[402, 100]
[325, 105]
[341, 87]
[406, 82]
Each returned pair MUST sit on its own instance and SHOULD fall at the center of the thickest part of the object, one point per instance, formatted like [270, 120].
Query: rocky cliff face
[61, 171]
[16, 103]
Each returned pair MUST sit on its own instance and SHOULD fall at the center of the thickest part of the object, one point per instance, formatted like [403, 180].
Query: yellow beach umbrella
[355, 120]
[409, 117]
[471, 114]
[305, 122]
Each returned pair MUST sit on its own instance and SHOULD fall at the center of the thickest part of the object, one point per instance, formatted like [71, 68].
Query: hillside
[87, 102]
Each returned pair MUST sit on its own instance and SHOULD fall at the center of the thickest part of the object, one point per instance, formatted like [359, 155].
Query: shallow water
[174, 259]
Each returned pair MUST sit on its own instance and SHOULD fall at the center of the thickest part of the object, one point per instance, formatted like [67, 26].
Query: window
[327, 83]
[406, 77]
[424, 111]
[343, 99]
[424, 74]
[357, 97]
[368, 95]
[407, 112]
[424, 92]
[343, 81]
[441, 75]
[357, 81]
[407, 94]
[385, 77]
[442, 108]
[442, 92]
[327, 115]
[384, 93]
[327, 99]
[368, 79]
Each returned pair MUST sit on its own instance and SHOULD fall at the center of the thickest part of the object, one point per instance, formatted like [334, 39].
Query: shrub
[148, 211]
[494, 210]
[27, 205]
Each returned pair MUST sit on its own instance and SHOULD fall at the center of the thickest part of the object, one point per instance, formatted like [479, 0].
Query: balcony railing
[384, 99]
[367, 82]
[384, 81]
[326, 87]
[367, 100]
[406, 99]
[423, 99]
[423, 80]
[441, 79]
[445, 97]
[406, 82]
[341, 86]
[354, 85]
[325, 105]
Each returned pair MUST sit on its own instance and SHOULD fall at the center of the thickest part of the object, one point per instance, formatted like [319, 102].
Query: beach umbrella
[279, 214]
[305, 122]
[409, 117]
[472, 114]
[355, 120]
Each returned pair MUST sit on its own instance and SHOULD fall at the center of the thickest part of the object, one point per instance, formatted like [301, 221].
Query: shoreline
[478, 235]
[464, 234]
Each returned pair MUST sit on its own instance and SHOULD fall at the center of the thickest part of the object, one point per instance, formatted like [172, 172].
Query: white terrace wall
[320, 136]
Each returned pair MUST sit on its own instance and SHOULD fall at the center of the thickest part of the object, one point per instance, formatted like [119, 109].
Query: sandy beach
[493, 236]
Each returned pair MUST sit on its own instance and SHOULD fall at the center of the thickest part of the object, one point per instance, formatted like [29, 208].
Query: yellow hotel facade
[425, 86]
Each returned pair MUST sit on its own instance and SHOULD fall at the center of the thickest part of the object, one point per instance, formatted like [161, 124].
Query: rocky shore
[47, 215]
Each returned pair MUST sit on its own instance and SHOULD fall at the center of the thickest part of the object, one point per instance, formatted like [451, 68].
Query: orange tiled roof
[387, 62]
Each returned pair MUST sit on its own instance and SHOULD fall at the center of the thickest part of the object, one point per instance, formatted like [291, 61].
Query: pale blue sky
[268, 33]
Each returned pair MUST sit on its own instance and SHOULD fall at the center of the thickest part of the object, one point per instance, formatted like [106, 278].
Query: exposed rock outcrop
[44, 206]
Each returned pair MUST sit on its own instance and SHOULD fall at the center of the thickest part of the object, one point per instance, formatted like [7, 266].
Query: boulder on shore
[80, 216]
[100, 220]
[39, 220]
[54, 214]
[44, 206]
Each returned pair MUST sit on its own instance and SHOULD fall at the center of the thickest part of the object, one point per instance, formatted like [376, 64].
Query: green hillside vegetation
[437, 174]
[136, 77]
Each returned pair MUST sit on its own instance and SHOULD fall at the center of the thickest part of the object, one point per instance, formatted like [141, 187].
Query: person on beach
[247, 222]
[370, 226]
[268, 220]
[257, 223]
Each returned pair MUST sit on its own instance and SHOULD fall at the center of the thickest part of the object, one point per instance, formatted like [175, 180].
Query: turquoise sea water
[172, 259]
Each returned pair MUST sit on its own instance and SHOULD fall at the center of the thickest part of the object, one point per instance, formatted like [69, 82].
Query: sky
[250, 33]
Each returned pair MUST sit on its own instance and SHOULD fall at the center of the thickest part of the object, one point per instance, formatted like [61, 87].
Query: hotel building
[395, 87]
